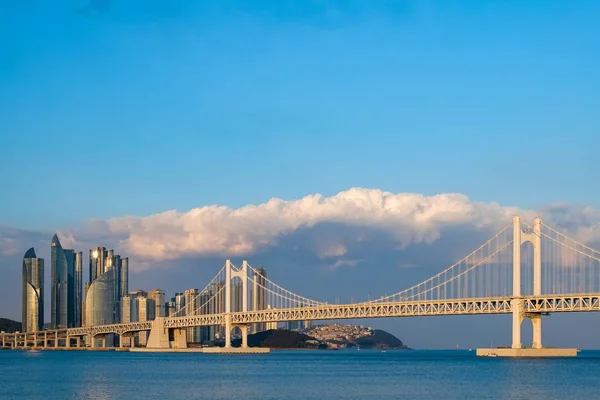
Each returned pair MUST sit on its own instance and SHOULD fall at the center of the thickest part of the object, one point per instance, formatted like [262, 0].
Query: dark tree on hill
[8, 325]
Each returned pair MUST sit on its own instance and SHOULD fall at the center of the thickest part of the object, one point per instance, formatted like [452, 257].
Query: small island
[331, 336]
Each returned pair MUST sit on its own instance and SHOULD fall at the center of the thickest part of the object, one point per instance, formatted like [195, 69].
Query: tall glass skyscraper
[109, 277]
[124, 276]
[77, 288]
[33, 292]
[65, 286]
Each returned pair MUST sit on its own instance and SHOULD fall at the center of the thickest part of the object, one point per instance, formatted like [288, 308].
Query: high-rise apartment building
[179, 300]
[170, 309]
[78, 282]
[126, 318]
[138, 306]
[124, 276]
[65, 282]
[32, 292]
[126, 309]
[158, 296]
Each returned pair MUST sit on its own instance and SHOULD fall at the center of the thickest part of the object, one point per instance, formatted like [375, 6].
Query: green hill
[8, 325]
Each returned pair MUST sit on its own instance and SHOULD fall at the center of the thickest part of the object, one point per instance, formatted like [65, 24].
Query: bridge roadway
[494, 305]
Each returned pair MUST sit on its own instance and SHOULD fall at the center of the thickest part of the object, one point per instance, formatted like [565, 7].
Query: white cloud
[217, 230]
[336, 250]
[359, 218]
[343, 263]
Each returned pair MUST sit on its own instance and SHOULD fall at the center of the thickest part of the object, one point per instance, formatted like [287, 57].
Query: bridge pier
[536, 321]
[166, 338]
[228, 328]
[244, 328]
[517, 319]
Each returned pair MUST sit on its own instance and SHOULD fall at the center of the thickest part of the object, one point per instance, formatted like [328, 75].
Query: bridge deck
[498, 305]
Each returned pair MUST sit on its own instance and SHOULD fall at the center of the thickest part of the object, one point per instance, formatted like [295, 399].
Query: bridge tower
[232, 272]
[518, 311]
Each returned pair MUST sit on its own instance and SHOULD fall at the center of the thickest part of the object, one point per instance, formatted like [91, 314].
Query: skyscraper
[77, 288]
[65, 286]
[104, 291]
[170, 309]
[179, 300]
[158, 296]
[124, 276]
[33, 292]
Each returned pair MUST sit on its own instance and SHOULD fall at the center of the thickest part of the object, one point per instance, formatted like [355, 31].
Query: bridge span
[528, 271]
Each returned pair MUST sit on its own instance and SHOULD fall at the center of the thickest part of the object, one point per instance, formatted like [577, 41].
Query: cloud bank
[217, 230]
[330, 228]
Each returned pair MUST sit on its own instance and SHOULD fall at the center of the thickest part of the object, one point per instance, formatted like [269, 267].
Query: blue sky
[158, 105]
[150, 106]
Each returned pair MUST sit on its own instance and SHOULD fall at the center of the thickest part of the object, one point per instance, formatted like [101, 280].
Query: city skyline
[353, 149]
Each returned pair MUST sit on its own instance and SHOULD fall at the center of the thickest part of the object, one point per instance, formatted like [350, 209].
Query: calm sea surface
[347, 374]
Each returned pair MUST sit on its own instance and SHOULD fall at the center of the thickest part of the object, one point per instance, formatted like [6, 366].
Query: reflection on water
[60, 375]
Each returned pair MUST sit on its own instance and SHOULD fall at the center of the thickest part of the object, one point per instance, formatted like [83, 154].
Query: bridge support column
[244, 329]
[517, 319]
[536, 321]
[228, 328]
[179, 339]
[159, 335]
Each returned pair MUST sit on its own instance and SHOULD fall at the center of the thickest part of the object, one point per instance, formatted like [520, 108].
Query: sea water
[345, 374]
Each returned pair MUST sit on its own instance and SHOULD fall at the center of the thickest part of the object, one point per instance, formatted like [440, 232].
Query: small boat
[492, 355]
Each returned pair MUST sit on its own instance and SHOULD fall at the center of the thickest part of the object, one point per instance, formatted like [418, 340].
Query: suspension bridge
[529, 271]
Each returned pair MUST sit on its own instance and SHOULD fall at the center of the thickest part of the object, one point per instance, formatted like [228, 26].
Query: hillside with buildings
[340, 336]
